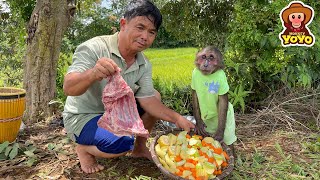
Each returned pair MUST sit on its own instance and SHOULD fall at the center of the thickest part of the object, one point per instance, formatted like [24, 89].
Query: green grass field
[172, 66]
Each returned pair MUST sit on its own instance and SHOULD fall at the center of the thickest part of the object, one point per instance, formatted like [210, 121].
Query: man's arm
[154, 106]
[76, 83]
[222, 116]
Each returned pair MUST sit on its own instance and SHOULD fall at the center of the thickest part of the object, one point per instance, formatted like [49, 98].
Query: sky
[105, 3]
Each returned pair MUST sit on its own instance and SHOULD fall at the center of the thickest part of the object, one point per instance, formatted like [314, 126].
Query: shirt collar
[140, 58]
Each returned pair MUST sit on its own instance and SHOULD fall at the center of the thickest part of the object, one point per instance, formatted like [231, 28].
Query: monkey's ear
[221, 64]
[197, 64]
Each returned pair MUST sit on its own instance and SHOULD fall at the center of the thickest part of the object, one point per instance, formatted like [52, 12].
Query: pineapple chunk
[208, 140]
[159, 151]
[163, 141]
[169, 161]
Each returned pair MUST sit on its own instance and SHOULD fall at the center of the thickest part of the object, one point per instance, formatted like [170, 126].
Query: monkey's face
[207, 62]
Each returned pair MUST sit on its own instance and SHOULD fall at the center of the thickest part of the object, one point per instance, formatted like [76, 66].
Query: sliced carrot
[188, 136]
[195, 162]
[219, 172]
[206, 155]
[211, 147]
[218, 150]
[187, 168]
[211, 159]
[190, 160]
[224, 164]
[194, 172]
[225, 155]
[204, 144]
[201, 153]
[178, 158]
[202, 178]
[181, 169]
[179, 173]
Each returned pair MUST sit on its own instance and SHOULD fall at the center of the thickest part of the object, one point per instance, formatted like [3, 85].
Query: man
[98, 58]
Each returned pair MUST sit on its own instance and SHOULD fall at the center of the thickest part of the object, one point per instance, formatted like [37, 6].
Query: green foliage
[168, 40]
[175, 97]
[141, 177]
[275, 164]
[8, 150]
[63, 63]
[14, 150]
[91, 20]
[23, 8]
[255, 58]
[30, 153]
[202, 22]
[12, 47]
[312, 146]
[237, 97]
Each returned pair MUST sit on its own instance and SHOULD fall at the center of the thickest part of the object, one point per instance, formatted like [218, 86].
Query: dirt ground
[56, 158]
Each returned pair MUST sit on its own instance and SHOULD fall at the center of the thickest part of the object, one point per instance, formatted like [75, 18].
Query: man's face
[139, 32]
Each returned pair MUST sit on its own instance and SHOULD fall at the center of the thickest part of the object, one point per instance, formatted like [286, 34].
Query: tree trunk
[46, 28]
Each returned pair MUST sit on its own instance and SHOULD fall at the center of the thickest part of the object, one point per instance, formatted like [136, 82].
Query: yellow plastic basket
[12, 106]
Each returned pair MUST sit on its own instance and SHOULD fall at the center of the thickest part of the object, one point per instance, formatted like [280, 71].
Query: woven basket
[226, 171]
[12, 106]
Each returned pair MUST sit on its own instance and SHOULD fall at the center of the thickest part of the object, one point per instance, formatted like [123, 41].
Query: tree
[255, 59]
[12, 47]
[48, 22]
[201, 21]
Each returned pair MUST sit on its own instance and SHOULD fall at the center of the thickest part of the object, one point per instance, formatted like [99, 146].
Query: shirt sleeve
[224, 86]
[145, 83]
[86, 56]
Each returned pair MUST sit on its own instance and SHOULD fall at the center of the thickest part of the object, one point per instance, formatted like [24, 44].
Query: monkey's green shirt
[208, 89]
[78, 110]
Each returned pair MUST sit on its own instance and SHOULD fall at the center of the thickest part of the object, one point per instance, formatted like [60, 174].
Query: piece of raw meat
[121, 116]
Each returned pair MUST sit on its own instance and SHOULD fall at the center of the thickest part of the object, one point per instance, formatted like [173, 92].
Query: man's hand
[184, 124]
[104, 67]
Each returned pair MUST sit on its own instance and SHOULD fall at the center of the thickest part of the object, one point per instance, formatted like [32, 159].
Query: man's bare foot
[141, 152]
[87, 161]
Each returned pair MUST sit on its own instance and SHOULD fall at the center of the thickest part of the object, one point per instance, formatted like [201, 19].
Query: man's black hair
[144, 8]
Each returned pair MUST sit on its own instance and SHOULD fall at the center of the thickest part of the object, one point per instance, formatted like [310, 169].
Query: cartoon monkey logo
[295, 18]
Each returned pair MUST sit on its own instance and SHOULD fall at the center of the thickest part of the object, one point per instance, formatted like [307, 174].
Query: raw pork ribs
[121, 116]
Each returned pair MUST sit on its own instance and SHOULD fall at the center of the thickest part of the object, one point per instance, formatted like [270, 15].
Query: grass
[172, 66]
[274, 155]
[282, 155]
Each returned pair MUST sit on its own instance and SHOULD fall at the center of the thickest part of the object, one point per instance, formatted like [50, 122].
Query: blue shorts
[105, 141]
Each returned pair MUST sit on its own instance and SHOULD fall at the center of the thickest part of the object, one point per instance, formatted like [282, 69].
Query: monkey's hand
[200, 128]
[218, 136]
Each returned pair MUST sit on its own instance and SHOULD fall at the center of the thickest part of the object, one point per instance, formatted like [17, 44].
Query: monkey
[212, 111]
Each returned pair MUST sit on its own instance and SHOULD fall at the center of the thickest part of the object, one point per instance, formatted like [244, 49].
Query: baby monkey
[213, 113]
